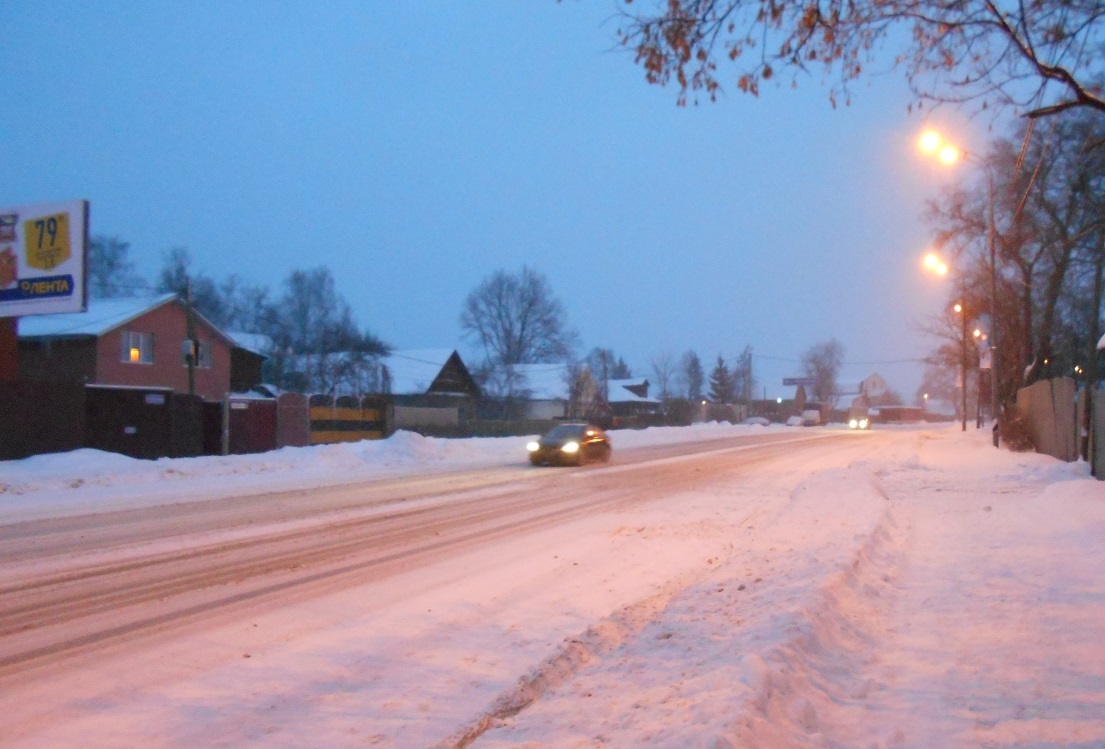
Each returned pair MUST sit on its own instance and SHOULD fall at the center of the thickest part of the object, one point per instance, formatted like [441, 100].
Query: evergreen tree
[721, 382]
[693, 375]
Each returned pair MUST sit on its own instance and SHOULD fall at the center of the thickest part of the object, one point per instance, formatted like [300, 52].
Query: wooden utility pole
[190, 332]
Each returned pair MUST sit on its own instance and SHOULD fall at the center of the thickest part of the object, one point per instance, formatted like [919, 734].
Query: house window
[203, 353]
[137, 347]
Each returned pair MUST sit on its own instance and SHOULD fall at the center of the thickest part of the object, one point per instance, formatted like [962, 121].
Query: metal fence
[1050, 410]
[1095, 437]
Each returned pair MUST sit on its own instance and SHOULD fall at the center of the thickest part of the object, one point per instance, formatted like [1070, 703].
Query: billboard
[43, 257]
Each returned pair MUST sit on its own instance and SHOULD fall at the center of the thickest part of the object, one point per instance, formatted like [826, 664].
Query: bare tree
[691, 375]
[246, 306]
[1041, 57]
[518, 319]
[111, 272]
[823, 361]
[744, 377]
[664, 369]
[177, 276]
[318, 345]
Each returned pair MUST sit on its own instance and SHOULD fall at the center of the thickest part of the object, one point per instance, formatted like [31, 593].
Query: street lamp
[933, 262]
[933, 144]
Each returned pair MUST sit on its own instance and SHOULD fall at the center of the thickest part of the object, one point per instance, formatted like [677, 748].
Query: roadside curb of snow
[597, 640]
[822, 658]
[765, 673]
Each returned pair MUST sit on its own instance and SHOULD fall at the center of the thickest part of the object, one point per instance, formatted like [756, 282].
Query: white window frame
[136, 341]
[203, 354]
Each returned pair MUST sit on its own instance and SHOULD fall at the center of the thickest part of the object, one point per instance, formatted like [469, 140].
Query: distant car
[756, 421]
[794, 421]
[859, 423]
[570, 444]
[811, 417]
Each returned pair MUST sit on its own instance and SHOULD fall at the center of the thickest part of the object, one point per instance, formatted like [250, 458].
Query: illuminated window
[137, 348]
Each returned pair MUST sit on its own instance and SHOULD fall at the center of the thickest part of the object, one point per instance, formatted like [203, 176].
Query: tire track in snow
[751, 651]
[614, 647]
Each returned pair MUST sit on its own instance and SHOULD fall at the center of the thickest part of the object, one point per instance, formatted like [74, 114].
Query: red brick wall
[168, 323]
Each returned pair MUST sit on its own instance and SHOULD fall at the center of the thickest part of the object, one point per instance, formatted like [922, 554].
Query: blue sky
[417, 147]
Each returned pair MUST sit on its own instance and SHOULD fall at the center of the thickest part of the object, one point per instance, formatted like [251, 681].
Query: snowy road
[73, 584]
[771, 588]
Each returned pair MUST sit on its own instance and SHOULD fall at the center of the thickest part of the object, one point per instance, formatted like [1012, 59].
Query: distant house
[138, 342]
[427, 372]
[429, 390]
[630, 397]
[549, 391]
[873, 386]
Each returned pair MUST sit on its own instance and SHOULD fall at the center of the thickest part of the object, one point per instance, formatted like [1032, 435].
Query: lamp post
[961, 310]
[933, 144]
[932, 262]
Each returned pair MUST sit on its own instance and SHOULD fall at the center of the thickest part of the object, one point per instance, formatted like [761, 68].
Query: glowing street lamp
[933, 144]
[932, 262]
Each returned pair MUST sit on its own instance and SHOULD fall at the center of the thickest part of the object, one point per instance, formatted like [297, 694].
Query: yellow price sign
[47, 241]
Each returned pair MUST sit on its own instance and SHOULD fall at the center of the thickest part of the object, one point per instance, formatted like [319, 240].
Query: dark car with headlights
[570, 444]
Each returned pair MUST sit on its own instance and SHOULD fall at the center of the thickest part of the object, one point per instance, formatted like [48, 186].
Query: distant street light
[938, 266]
[933, 144]
[962, 312]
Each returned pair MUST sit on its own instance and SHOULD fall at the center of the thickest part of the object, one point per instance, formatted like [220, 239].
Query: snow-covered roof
[103, 315]
[618, 392]
[258, 343]
[544, 381]
[413, 371]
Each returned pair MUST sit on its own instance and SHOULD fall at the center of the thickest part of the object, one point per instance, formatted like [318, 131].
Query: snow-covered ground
[933, 593]
[87, 480]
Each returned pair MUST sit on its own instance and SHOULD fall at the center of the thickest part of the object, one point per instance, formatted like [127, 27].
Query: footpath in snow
[939, 594]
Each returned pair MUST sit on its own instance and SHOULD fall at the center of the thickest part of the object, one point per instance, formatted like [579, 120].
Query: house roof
[103, 315]
[413, 371]
[544, 381]
[257, 343]
[617, 391]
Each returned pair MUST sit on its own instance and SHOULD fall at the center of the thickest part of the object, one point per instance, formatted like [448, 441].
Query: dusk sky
[417, 147]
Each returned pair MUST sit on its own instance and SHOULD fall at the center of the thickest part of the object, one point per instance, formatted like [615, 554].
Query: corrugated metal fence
[1051, 410]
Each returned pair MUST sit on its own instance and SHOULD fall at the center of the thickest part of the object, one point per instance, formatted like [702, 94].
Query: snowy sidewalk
[945, 597]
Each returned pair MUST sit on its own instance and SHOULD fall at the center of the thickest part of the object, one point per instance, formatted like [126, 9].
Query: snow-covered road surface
[895, 588]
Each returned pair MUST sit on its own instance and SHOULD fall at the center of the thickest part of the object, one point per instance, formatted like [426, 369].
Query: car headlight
[533, 447]
[863, 424]
[853, 424]
[570, 447]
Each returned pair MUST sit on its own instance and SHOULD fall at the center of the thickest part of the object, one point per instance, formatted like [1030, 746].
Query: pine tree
[692, 374]
[721, 382]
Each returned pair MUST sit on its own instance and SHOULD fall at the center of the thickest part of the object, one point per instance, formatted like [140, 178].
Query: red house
[130, 342]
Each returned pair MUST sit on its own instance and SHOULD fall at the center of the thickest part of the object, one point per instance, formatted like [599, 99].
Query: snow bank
[86, 480]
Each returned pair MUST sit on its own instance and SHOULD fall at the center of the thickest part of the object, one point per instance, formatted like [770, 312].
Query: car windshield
[566, 431]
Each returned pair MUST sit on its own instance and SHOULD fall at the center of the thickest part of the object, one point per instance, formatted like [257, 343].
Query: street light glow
[929, 142]
[933, 263]
[958, 307]
[932, 144]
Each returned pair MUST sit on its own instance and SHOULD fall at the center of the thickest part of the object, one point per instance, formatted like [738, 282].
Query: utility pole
[190, 332]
